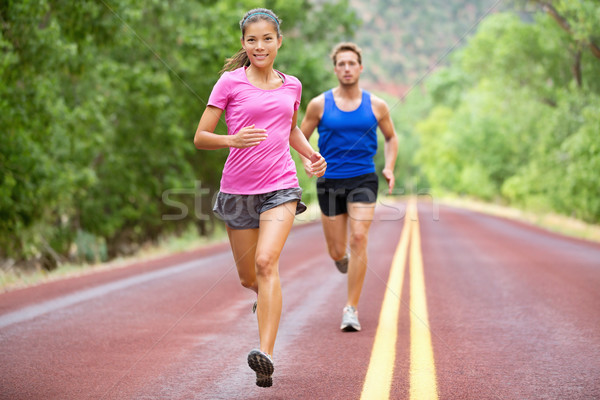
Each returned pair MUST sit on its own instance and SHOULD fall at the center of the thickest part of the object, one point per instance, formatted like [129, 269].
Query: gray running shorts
[241, 211]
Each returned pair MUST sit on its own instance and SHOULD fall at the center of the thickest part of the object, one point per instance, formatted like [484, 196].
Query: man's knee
[358, 239]
[337, 252]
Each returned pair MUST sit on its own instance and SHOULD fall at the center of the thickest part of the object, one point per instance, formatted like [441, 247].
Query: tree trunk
[562, 21]
[576, 68]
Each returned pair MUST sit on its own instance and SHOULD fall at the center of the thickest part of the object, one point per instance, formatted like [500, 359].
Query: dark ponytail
[240, 59]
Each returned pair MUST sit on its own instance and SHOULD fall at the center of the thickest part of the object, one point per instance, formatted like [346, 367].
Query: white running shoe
[350, 320]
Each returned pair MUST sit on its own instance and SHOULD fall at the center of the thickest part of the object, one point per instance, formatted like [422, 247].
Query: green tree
[514, 116]
[99, 102]
[580, 20]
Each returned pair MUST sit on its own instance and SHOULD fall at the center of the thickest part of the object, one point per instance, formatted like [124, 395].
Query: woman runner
[259, 193]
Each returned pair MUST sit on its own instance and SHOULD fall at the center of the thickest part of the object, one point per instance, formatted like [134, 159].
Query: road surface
[456, 305]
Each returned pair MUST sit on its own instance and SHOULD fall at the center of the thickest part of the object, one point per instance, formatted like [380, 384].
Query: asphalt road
[456, 305]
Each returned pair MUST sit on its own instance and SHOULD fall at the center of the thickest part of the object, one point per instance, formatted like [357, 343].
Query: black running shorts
[335, 194]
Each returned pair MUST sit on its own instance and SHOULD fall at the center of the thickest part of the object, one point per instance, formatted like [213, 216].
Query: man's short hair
[346, 46]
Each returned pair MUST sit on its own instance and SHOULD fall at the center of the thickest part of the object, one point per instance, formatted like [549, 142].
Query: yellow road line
[380, 373]
[423, 385]
[423, 381]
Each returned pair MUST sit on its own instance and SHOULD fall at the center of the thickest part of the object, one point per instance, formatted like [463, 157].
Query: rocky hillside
[402, 40]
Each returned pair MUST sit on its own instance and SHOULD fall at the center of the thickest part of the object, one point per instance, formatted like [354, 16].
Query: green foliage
[99, 102]
[561, 174]
[437, 155]
[515, 116]
[580, 18]
[405, 115]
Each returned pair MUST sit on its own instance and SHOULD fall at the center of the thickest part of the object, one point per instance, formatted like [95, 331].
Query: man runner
[347, 118]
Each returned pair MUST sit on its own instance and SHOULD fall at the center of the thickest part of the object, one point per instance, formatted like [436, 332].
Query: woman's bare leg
[243, 246]
[275, 226]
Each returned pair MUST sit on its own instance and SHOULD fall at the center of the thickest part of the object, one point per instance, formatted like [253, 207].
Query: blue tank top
[348, 139]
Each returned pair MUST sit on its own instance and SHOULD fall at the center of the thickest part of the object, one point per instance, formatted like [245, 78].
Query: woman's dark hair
[240, 59]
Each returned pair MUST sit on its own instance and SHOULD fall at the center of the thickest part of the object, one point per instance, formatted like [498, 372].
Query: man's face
[347, 67]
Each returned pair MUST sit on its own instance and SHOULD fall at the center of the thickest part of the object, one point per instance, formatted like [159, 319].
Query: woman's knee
[248, 283]
[266, 264]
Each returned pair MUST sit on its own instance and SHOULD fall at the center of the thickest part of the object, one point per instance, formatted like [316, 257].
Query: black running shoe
[342, 265]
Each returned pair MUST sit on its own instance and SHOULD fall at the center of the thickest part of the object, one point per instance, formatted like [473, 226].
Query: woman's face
[261, 43]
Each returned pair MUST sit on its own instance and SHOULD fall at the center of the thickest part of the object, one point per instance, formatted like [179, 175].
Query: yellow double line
[380, 374]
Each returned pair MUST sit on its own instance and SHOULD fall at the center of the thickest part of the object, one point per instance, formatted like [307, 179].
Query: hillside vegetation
[512, 115]
[402, 40]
